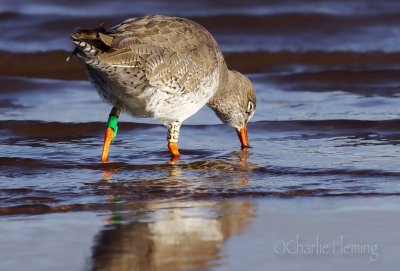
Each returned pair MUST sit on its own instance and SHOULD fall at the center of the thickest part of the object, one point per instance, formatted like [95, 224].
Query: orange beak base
[108, 137]
[244, 139]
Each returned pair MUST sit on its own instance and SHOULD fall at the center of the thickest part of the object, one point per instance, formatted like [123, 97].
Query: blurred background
[325, 136]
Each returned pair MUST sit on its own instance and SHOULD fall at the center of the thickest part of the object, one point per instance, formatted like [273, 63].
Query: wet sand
[323, 167]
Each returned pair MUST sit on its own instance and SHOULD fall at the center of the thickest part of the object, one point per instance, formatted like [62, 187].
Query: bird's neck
[224, 91]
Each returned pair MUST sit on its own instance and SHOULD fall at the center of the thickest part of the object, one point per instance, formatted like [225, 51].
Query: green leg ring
[113, 124]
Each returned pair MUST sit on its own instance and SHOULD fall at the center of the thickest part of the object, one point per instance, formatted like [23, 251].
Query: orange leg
[108, 137]
[173, 135]
[173, 149]
[111, 132]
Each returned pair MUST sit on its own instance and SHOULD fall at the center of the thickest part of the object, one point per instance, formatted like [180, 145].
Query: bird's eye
[250, 107]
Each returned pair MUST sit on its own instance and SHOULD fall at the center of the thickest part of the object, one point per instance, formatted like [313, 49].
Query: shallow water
[325, 141]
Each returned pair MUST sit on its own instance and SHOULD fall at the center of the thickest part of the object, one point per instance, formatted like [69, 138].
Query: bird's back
[154, 66]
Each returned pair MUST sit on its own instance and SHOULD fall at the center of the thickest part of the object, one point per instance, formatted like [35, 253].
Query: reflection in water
[234, 163]
[175, 234]
[170, 236]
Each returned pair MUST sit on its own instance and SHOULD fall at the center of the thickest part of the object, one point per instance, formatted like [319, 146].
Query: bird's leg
[111, 132]
[173, 135]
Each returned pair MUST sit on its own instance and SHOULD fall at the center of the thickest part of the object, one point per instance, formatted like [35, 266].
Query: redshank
[165, 68]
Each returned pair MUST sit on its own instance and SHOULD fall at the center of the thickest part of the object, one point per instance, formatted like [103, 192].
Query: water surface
[325, 143]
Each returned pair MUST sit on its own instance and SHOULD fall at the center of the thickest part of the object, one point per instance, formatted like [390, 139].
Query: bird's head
[235, 104]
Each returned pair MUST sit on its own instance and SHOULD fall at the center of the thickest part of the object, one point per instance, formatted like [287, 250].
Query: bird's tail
[90, 42]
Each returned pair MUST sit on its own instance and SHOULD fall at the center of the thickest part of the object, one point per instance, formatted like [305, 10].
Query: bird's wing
[174, 54]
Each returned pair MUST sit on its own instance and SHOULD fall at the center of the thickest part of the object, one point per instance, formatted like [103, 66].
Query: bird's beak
[108, 137]
[244, 139]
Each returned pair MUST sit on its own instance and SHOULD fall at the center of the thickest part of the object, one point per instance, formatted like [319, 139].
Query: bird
[166, 68]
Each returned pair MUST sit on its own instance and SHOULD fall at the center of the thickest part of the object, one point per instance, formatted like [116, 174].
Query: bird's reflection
[240, 164]
[157, 224]
[170, 236]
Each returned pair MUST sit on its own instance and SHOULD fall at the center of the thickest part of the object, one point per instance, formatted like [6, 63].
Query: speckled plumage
[165, 68]
[155, 66]
[161, 67]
